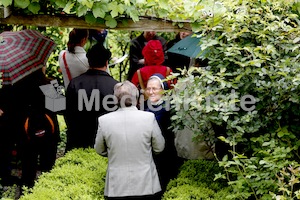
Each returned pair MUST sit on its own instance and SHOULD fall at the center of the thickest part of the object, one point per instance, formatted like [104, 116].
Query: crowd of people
[135, 135]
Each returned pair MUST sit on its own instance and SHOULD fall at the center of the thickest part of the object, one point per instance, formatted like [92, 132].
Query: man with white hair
[128, 137]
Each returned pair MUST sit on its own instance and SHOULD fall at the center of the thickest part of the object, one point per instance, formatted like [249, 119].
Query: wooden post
[144, 24]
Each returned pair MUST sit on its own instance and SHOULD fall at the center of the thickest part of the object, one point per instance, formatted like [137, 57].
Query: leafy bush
[9, 192]
[253, 57]
[196, 181]
[63, 136]
[101, 12]
[80, 174]
[288, 181]
[60, 36]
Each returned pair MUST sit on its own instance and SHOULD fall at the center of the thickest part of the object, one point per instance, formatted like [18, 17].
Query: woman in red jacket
[154, 57]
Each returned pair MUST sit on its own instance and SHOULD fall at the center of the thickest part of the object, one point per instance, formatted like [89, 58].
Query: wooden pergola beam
[144, 24]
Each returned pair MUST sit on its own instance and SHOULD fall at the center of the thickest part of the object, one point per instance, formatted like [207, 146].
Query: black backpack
[39, 126]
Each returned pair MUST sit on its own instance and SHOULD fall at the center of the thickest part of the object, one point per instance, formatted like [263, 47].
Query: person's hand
[1, 112]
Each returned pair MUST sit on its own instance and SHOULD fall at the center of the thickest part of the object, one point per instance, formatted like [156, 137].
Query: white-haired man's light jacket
[128, 136]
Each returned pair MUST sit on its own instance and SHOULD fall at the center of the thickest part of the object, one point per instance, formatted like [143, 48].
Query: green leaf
[82, 10]
[34, 7]
[225, 118]
[164, 4]
[256, 62]
[222, 138]
[196, 27]
[262, 162]
[141, 1]
[240, 129]
[111, 22]
[225, 158]
[162, 13]
[6, 3]
[223, 70]
[99, 10]
[280, 134]
[127, 2]
[212, 42]
[112, 5]
[86, 3]
[283, 131]
[219, 176]
[134, 15]
[114, 13]
[21, 3]
[282, 73]
[60, 3]
[115, 9]
[296, 40]
[68, 7]
[266, 144]
[89, 18]
[238, 78]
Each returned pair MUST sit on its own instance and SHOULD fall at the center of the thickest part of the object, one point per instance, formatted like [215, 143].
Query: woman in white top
[75, 56]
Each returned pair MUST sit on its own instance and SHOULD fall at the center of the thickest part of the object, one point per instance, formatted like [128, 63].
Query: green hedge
[196, 181]
[80, 174]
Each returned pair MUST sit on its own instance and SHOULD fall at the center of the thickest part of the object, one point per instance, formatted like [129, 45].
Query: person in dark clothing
[22, 100]
[97, 36]
[135, 52]
[39, 148]
[174, 60]
[167, 162]
[84, 99]
[8, 138]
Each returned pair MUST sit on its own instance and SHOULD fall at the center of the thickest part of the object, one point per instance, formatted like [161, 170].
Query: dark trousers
[7, 145]
[6, 148]
[37, 155]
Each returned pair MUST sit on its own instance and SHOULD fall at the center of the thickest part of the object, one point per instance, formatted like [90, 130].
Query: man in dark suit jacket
[84, 99]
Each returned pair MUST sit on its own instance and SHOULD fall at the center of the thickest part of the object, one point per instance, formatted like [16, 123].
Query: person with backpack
[30, 129]
[39, 146]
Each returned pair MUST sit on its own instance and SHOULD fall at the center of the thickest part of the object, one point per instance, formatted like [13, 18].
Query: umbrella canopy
[22, 53]
[188, 46]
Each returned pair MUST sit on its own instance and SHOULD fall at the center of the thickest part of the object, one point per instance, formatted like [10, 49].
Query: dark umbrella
[22, 53]
[188, 46]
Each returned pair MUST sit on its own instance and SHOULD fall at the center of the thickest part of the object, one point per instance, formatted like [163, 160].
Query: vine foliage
[110, 12]
[253, 57]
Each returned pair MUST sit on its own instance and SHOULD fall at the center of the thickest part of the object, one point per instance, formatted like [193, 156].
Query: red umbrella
[22, 53]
